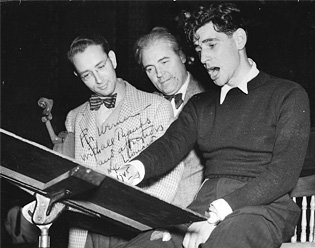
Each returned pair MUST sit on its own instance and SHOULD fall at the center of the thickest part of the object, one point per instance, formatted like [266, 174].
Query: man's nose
[159, 72]
[204, 57]
[97, 77]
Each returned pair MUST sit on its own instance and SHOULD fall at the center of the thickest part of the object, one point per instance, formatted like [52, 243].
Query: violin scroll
[47, 105]
[64, 142]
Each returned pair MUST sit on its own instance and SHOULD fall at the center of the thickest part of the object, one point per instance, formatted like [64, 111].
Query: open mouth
[213, 72]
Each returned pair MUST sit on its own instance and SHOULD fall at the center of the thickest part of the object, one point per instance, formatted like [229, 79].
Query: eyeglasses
[90, 75]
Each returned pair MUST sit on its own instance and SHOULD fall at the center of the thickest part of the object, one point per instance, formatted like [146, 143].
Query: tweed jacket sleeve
[165, 186]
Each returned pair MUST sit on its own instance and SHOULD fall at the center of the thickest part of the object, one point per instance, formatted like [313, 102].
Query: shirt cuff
[140, 168]
[221, 207]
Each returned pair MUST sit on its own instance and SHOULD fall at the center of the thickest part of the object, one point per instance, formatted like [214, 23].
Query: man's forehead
[205, 34]
[159, 46]
[157, 52]
[89, 58]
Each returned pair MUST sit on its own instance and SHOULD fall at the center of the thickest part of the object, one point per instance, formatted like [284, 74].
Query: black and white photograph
[157, 124]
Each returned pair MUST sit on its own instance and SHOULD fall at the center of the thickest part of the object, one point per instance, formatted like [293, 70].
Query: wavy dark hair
[226, 18]
[80, 43]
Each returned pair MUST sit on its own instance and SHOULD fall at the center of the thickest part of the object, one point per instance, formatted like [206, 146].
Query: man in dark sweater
[253, 136]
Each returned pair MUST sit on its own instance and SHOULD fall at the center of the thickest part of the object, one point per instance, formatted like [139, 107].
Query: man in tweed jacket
[112, 133]
[163, 60]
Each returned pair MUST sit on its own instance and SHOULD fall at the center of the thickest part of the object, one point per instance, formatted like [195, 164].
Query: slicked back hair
[80, 43]
[157, 33]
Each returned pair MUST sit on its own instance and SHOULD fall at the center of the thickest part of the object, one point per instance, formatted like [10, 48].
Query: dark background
[35, 36]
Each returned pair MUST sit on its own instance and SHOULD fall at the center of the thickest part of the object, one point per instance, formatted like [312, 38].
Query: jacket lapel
[121, 144]
[193, 88]
[87, 131]
[87, 120]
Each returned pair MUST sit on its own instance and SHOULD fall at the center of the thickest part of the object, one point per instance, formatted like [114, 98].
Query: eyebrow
[103, 61]
[81, 73]
[163, 58]
[206, 40]
[157, 61]
[94, 66]
[209, 40]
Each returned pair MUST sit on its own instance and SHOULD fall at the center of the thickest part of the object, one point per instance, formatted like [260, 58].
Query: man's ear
[112, 57]
[240, 38]
[182, 56]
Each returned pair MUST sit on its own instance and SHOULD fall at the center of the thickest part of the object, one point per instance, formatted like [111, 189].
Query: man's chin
[104, 92]
[167, 91]
[218, 82]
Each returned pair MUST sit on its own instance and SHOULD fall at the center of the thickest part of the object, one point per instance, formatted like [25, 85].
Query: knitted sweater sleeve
[169, 150]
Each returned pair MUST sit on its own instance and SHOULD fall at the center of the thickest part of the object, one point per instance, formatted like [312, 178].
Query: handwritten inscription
[116, 143]
[125, 174]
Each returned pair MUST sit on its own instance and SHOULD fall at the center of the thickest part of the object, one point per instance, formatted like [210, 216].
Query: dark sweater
[262, 136]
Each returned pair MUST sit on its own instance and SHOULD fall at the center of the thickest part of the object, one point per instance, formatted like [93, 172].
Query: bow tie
[97, 100]
[178, 99]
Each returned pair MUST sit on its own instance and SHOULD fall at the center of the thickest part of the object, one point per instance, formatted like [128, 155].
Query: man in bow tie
[117, 122]
[163, 60]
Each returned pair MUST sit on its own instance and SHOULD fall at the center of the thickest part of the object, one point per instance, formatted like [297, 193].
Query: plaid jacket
[144, 117]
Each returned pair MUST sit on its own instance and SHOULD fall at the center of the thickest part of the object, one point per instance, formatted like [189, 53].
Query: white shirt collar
[253, 72]
[103, 113]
